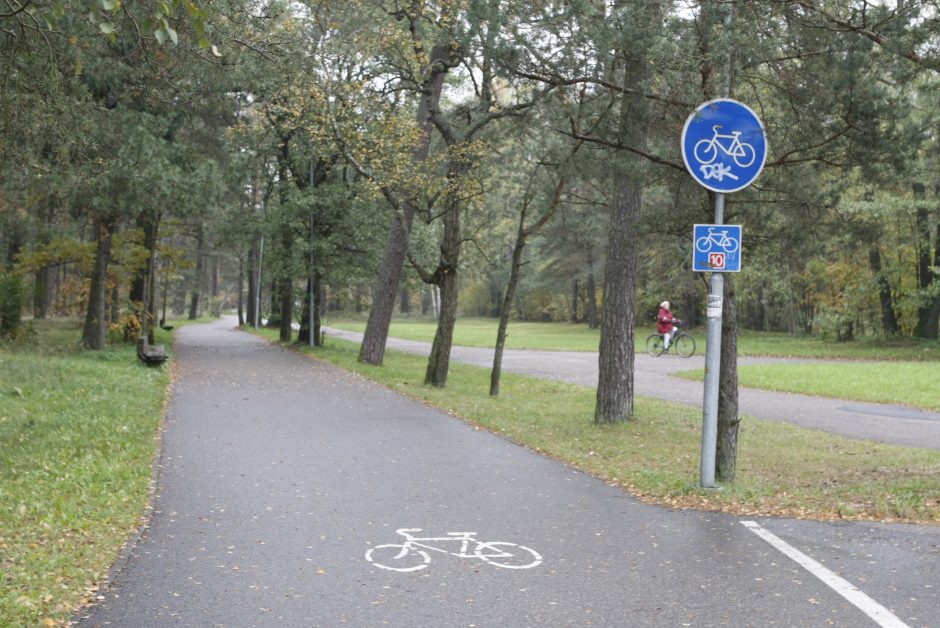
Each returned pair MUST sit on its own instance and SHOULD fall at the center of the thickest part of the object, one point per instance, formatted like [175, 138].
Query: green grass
[906, 383]
[481, 332]
[77, 440]
[782, 469]
[776, 344]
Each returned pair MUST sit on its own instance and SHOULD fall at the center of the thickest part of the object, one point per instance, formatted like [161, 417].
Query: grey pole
[716, 295]
[257, 302]
[310, 317]
[312, 288]
[716, 288]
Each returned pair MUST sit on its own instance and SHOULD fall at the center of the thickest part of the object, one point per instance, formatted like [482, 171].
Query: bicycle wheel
[508, 555]
[396, 557]
[684, 345]
[745, 156]
[705, 151]
[654, 345]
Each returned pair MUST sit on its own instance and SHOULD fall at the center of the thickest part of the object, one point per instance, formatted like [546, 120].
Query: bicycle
[706, 151]
[683, 343]
[407, 556]
[718, 237]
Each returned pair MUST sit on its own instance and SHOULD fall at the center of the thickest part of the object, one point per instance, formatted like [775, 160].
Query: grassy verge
[905, 383]
[782, 469]
[481, 332]
[77, 441]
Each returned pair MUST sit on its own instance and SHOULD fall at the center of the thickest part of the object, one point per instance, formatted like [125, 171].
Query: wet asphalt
[280, 477]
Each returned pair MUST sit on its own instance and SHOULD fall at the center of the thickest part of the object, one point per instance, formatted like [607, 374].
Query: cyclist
[665, 322]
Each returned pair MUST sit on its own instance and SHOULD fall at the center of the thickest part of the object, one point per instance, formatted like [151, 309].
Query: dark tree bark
[241, 291]
[404, 300]
[439, 360]
[616, 355]
[95, 327]
[199, 274]
[141, 294]
[304, 336]
[274, 318]
[252, 285]
[575, 295]
[889, 319]
[591, 315]
[42, 295]
[515, 272]
[728, 420]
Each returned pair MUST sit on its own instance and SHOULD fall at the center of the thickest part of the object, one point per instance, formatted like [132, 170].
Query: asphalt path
[281, 478]
[652, 378]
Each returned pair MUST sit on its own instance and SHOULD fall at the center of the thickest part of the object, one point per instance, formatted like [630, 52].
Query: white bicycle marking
[707, 150]
[411, 555]
[716, 238]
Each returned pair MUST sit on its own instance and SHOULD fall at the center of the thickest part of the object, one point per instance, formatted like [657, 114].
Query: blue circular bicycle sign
[723, 145]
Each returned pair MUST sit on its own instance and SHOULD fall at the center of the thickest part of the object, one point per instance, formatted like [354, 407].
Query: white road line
[878, 613]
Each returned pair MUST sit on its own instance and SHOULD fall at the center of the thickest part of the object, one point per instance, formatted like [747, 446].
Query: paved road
[278, 474]
[868, 421]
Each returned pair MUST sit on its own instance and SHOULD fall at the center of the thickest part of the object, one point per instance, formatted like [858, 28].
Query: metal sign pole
[312, 297]
[311, 341]
[716, 288]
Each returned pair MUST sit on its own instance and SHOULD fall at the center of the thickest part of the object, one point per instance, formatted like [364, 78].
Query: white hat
[664, 304]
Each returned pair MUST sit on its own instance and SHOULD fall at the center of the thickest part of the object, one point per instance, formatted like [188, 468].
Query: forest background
[455, 158]
[476, 156]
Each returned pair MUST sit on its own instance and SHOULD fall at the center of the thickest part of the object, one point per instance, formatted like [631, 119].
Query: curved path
[868, 421]
[278, 474]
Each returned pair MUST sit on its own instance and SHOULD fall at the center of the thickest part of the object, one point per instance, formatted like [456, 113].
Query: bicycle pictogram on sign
[716, 248]
[723, 145]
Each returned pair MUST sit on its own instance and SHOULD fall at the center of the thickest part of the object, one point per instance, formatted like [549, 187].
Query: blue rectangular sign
[716, 248]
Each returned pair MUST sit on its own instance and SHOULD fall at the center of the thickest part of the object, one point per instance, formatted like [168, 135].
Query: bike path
[278, 473]
[885, 423]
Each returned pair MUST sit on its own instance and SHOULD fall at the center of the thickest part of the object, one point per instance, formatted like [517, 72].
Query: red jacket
[664, 321]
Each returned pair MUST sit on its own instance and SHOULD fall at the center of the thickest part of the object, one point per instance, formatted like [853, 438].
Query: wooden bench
[152, 355]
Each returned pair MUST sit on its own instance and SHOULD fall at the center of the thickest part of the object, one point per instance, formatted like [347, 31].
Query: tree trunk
[591, 315]
[932, 316]
[575, 294]
[303, 336]
[199, 274]
[404, 301]
[385, 289]
[94, 329]
[445, 277]
[286, 289]
[889, 319]
[42, 295]
[439, 360]
[616, 357]
[728, 420]
[514, 272]
[274, 319]
[241, 291]
[252, 285]
[924, 274]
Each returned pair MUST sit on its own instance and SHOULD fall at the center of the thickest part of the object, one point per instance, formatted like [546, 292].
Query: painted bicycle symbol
[707, 150]
[410, 555]
[716, 238]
